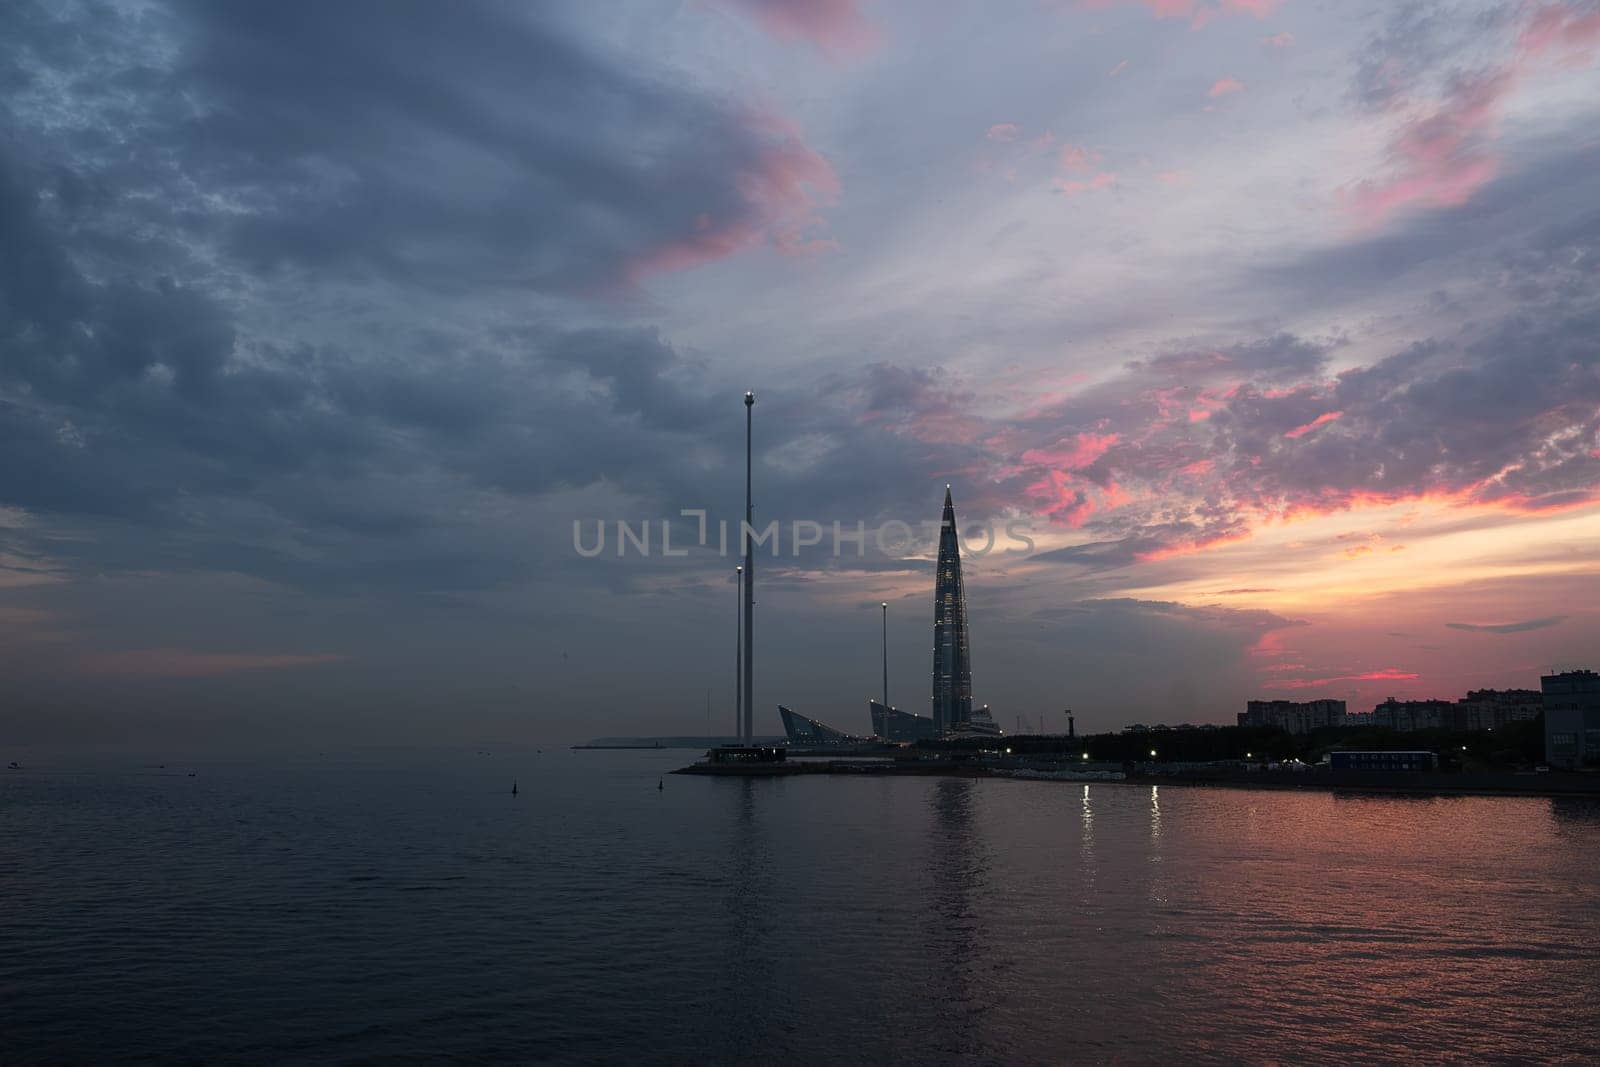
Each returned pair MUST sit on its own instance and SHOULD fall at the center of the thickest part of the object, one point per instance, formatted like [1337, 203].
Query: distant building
[1405, 716]
[803, 730]
[1297, 717]
[892, 724]
[981, 724]
[1491, 709]
[1382, 761]
[1571, 718]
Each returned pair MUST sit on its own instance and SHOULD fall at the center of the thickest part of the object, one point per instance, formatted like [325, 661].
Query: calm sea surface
[407, 908]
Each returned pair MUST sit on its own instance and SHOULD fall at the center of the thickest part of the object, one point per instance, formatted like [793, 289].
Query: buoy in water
[661, 783]
[513, 788]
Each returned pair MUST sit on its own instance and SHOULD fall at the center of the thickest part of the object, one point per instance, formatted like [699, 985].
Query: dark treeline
[1514, 745]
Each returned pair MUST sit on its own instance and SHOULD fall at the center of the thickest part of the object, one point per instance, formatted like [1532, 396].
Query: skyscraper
[952, 663]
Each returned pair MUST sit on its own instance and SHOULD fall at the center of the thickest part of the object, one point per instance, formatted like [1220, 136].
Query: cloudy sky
[1275, 323]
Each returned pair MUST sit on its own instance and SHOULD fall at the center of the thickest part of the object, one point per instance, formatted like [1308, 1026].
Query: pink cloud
[1388, 674]
[1061, 493]
[780, 192]
[1259, 8]
[1071, 500]
[1224, 86]
[1562, 28]
[1003, 131]
[187, 663]
[1278, 40]
[1103, 180]
[1320, 420]
[1072, 453]
[1118, 69]
[835, 26]
[1198, 12]
[1440, 159]
[1077, 157]
[1269, 644]
[1191, 545]
[1174, 177]
[1056, 496]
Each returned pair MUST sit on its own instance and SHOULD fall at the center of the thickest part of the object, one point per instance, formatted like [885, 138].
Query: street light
[738, 652]
[748, 544]
[1152, 753]
[885, 606]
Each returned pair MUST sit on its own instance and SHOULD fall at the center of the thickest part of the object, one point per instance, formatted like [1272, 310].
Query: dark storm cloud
[138, 398]
[1508, 627]
[420, 143]
[179, 184]
[122, 391]
[100, 424]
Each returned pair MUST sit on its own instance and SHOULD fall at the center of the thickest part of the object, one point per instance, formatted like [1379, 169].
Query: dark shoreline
[1421, 783]
[1488, 784]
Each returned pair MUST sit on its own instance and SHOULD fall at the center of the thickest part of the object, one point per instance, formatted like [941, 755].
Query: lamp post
[738, 650]
[885, 657]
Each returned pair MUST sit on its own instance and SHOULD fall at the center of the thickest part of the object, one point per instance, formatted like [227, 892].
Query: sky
[330, 333]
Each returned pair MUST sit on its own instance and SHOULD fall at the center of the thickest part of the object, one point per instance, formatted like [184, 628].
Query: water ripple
[411, 910]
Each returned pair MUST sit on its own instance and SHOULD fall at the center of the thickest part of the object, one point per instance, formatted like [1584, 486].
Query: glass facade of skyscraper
[952, 662]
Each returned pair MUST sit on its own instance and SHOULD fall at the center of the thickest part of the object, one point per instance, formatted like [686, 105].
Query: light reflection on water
[404, 906]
